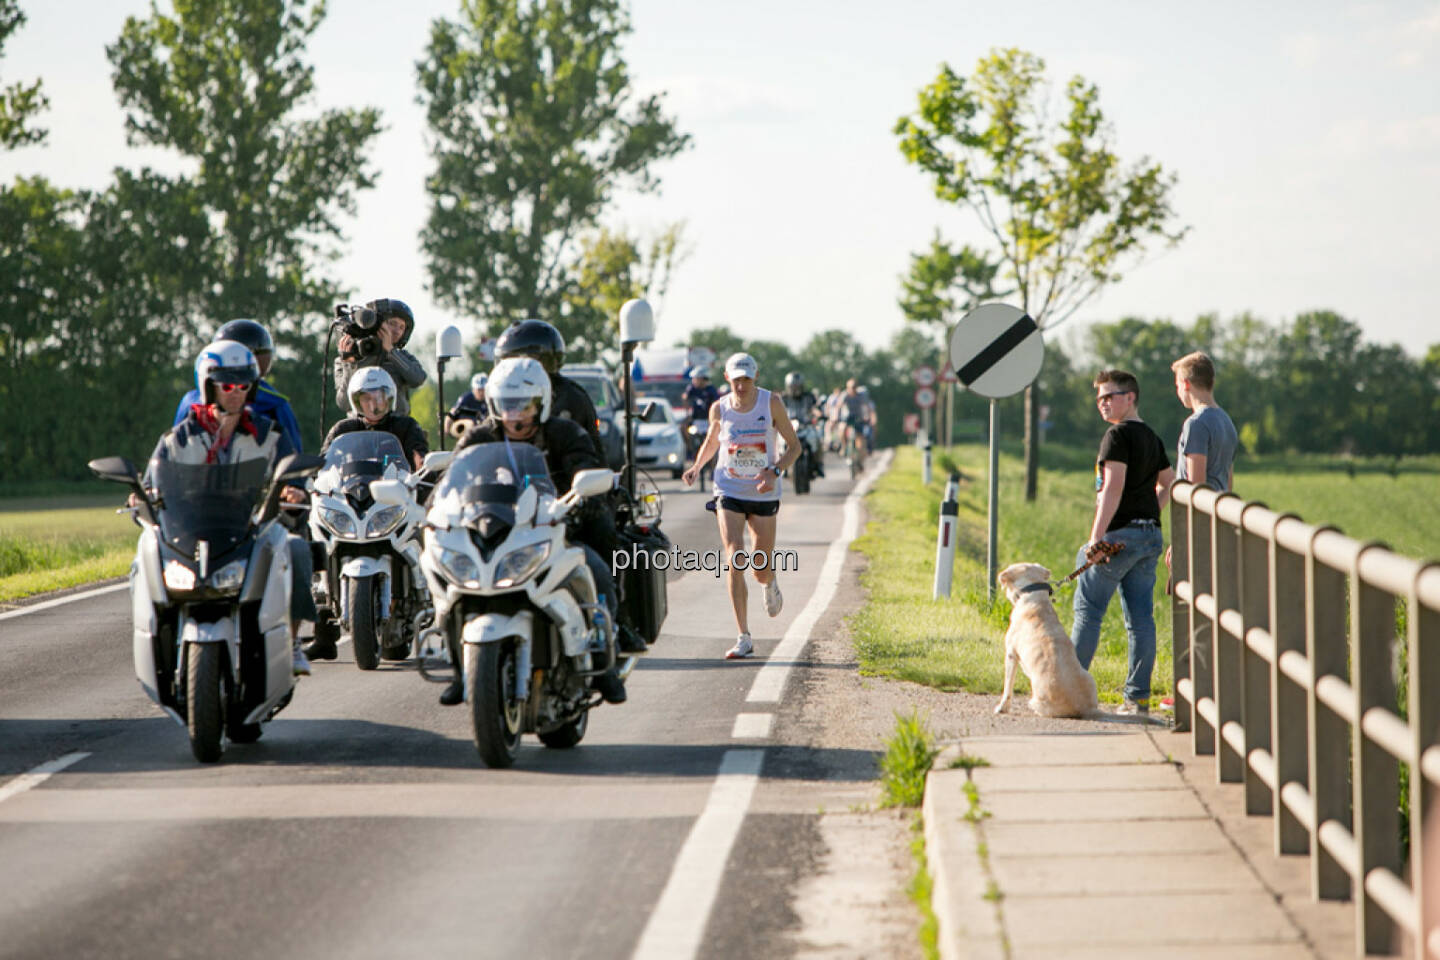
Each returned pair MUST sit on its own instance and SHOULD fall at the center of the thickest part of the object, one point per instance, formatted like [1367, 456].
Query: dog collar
[1036, 586]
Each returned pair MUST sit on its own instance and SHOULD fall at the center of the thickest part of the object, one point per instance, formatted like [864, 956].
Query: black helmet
[388, 307]
[248, 332]
[794, 383]
[532, 338]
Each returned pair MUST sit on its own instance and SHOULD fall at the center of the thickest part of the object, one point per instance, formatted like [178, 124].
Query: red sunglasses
[232, 387]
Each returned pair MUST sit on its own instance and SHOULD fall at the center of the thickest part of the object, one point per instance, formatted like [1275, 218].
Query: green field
[55, 542]
[957, 643]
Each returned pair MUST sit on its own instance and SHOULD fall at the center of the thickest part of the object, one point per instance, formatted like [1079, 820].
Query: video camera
[362, 323]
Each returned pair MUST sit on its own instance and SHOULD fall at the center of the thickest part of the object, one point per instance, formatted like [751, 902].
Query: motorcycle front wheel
[203, 708]
[494, 711]
[362, 622]
[800, 472]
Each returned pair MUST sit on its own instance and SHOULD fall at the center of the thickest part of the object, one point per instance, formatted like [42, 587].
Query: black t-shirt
[468, 407]
[1134, 444]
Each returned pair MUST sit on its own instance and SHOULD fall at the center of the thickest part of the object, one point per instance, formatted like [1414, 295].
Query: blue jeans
[1133, 571]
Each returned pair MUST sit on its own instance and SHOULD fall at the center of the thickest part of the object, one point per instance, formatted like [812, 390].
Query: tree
[613, 269]
[1067, 218]
[18, 102]
[535, 126]
[221, 82]
[944, 284]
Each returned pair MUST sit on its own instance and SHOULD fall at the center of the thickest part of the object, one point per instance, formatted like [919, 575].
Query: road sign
[996, 350]
[924, 376]
[925, 398]
[948, 374]
[912, 423]
[486, 349]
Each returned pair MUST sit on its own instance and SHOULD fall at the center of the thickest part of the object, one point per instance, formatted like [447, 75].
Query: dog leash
[1102, 552]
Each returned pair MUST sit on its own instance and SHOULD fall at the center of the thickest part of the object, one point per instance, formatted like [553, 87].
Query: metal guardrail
[1286, 652]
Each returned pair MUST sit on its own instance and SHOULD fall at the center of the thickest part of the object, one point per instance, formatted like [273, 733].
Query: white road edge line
[752, 726]
[770, 679]
[677, 924]
[46, 605]
[37, 776]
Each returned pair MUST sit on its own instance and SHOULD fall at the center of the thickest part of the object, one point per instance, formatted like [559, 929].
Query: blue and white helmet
[515, 383]
[478, 382]
[371, 380]
[226, 362]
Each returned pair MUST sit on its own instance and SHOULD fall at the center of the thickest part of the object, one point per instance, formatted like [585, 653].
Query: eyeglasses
[1106, 396]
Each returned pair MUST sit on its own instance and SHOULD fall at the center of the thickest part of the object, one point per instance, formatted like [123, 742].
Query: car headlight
[459, 567]
[603, 427]
[520, 565]
[383, 521]
[228, 577]
[179, 577]
[337, 522]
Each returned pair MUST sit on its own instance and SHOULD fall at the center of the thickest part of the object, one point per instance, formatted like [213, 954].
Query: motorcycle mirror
[525, 506]
[391, 492]
[436, 460]
[118, 469]
[297, 466]
[591, 483]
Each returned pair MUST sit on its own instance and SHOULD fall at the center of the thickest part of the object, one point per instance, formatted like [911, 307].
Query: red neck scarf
[211, 423]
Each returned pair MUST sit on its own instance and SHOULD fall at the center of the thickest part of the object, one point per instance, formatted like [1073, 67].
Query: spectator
[1208, 439]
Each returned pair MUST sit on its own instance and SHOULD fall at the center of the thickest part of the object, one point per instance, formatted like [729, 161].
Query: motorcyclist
[268, 401]
[397, 323]
[372, 397]
[222, 429]
[519, 397]
[699, 394]
[569, 401]
[470, 406]
[802, 404]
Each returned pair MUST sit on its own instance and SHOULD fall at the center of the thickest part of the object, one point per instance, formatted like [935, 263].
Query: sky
[1305, 136]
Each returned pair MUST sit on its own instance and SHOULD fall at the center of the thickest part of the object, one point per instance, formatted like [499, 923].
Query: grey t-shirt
[1211, 434]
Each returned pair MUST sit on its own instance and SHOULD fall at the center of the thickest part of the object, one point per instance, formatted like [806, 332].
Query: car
[658, 443]
[600, 385]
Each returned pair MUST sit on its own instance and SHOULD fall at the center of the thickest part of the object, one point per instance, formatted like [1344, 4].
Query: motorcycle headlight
[459, 567]
[520, 565]
[179, 577]
[228, 577]
[383, 521]
[338, 523]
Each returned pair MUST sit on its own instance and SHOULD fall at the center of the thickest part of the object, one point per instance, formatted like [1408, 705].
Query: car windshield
[651, 410]
[211, 502]
[671, 390]
[492, 476]
[370, 447]
[595, 387]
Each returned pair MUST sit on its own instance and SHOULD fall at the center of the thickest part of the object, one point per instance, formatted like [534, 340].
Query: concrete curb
[969, 925]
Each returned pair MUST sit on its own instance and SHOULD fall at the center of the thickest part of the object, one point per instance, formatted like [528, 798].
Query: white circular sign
[996, 350]
[924, 376]
[925, 398]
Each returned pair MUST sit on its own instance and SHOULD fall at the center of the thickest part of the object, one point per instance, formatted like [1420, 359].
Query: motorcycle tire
[801, 472]
[494, 713]
[567, 736]
[203, 717]
[362, 623]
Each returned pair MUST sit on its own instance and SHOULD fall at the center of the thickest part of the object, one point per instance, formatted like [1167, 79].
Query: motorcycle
[807, 465]
[210, 594]
[516, 596]
[369, 584]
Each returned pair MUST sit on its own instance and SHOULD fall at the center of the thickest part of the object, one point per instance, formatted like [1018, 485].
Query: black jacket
[569, 401]
[410, 434]
[565, 446]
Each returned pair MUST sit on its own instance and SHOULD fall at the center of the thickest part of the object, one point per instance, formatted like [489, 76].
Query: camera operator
[375, 336]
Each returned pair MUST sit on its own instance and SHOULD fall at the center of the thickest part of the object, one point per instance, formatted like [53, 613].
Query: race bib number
[747, 463]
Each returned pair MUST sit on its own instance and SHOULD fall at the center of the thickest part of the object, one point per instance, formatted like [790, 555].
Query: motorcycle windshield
[371, 447]
[211, 502]
[487, 479]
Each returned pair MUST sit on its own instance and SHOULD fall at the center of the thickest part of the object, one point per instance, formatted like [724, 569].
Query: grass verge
[908, 756]
[51, 549]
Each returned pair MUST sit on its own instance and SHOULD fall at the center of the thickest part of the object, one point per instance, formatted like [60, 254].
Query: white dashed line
[752, 726]
[37, 776]
[46, 605]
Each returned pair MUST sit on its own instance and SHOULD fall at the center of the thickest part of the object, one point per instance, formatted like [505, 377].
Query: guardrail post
[1256, 674]
[1202, 651]
[1179, 609]
[1229, 678]
[1288, 700]
[945, 539]
[1329, 735]
[1377, 773]
[1424, 640]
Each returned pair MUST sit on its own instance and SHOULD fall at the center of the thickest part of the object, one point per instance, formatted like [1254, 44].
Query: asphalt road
[363, 824]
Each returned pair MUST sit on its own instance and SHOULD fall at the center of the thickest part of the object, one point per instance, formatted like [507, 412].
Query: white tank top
[747, 449]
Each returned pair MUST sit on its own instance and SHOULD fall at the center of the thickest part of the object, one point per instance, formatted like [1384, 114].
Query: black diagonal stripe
[993, 354]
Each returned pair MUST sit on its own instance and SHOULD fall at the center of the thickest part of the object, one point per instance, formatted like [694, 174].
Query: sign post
[996, 351]
[925, 400]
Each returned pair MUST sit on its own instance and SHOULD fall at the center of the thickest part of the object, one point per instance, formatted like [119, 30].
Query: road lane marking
[752, 726]
[46, 605]
[677, 923]
[37, 776]
[770, 680]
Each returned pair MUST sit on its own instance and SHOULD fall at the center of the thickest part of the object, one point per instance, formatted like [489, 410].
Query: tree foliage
[944, 284]
[19, 102]
[614, 267]
[534, 125]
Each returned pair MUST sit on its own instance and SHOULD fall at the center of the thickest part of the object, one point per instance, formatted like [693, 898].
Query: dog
[1036, 641]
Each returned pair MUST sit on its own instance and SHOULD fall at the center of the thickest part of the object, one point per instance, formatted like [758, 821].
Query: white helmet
[477, 382]
[225, 362]
[366, 380]
[516, 382]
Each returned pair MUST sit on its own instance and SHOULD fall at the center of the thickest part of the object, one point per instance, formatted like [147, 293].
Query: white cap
[740, 365]
[477, 382]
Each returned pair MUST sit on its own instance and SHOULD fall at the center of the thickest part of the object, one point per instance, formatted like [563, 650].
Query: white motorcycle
[516, 596]
[370, 586]
[210, 594]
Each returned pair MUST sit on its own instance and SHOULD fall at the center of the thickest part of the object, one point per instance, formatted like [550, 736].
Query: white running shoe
[300, 664]
[773, 600]
[742, 649]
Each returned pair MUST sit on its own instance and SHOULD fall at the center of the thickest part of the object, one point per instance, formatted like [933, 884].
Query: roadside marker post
[945, 542]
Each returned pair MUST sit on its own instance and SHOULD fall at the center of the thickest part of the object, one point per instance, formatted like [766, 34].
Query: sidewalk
[1097, 845]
